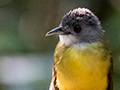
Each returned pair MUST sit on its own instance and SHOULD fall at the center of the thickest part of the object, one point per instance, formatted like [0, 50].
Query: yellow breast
[82, 67]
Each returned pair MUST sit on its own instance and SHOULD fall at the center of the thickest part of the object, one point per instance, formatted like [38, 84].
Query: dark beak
[55, 31]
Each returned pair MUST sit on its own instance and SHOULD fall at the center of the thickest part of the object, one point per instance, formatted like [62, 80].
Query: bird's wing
[110, 76]
[53, 85]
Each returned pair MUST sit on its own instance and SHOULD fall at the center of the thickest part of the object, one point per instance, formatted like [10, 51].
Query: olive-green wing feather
[110, 76]
[53, 85]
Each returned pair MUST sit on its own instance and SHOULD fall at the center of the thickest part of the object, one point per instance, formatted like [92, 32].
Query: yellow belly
[82, 67]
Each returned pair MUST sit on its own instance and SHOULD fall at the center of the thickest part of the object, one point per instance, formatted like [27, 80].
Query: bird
[82, 57]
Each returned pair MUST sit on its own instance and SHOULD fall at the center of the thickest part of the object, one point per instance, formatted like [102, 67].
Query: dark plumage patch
[78, 16]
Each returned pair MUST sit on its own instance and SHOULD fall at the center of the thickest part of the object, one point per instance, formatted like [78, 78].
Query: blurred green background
[26, 55]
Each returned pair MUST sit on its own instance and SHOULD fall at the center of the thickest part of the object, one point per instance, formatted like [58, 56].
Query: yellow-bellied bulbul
[82, 58]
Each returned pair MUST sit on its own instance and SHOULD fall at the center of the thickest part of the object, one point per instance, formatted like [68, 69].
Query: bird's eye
[77, 29]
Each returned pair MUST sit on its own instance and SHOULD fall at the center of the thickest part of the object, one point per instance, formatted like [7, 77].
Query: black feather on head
[78, 16]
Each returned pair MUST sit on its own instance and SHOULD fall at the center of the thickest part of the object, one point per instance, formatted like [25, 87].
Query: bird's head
[78, 26]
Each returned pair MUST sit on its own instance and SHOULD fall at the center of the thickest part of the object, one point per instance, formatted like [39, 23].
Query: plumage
[82, 58]
[58, 58]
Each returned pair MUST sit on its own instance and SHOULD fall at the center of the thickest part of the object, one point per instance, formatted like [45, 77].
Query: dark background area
[26, 55]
